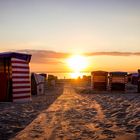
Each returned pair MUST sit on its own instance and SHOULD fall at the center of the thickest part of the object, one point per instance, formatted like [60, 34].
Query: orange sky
[54, 61]
[52, 30]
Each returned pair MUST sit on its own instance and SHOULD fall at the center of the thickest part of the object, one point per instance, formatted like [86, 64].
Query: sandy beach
[80, 116]
[69, 69]
[14, 117]
[121, 113]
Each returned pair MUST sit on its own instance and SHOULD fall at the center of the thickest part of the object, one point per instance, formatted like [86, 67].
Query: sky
[46, 28]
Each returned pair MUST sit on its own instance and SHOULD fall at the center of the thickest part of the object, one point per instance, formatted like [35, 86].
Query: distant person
[139, 81]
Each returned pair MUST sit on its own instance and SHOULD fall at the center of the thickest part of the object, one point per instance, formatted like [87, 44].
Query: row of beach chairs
[112, 81]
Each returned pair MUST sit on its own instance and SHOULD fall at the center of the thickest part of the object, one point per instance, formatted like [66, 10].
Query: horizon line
[79, 71]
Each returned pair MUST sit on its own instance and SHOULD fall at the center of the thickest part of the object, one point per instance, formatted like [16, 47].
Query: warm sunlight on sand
[77, 63]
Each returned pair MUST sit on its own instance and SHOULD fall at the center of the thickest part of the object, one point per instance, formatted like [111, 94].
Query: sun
[76, 75]
[77, 63]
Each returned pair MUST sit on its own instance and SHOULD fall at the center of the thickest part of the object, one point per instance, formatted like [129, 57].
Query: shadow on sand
[14, 117]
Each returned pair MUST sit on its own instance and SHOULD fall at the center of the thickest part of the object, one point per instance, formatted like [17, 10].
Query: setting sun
[76, 75]
[77, 63]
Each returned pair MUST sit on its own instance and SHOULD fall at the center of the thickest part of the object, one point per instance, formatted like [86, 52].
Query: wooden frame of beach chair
[99, 80]
[117, 81]
[16, 67]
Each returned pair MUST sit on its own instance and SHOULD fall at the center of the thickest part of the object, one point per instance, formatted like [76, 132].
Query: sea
[67, 75]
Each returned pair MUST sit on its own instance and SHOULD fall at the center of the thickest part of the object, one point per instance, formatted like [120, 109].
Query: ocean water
[69, 75]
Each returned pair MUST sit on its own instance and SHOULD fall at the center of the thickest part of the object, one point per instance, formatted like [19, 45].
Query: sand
[86, 116]
[14, 117]
[121, 113]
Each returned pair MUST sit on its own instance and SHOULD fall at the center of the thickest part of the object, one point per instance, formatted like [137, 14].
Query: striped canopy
[22, 56]
[118, 73]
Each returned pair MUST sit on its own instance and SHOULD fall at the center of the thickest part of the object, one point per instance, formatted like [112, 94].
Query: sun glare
[77, 63]
[76, 75]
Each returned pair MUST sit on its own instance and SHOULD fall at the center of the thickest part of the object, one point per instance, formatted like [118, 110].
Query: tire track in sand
[70, 117]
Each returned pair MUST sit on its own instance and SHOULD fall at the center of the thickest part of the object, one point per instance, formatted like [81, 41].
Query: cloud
[47, 53]
[52, 57]
[113, 53]
[46, 56]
